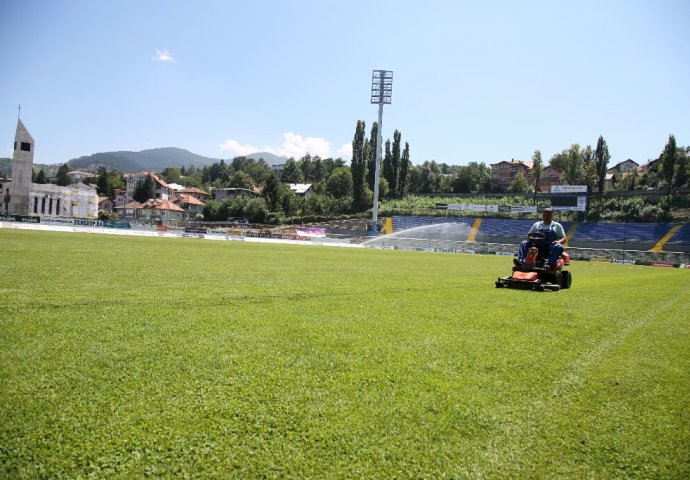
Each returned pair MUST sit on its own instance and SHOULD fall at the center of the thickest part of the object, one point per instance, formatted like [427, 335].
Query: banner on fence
[57, 221]
[467, 207]
[568, 188]
[311, 232]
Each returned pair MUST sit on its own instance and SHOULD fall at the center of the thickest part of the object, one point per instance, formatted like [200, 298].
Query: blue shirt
[545, 228]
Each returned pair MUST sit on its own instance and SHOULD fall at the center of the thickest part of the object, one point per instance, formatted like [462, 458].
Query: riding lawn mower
[535, 273]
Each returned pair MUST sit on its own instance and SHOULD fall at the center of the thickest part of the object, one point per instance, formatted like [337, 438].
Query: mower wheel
[566, 279]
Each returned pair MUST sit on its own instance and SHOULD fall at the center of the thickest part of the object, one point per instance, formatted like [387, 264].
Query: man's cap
[548, 209]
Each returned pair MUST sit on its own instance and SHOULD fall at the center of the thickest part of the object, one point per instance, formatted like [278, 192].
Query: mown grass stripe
[131, 357]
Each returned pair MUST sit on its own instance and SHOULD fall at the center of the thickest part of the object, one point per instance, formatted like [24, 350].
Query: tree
[426, 178]
[570, 162]
[339, 184]
[682, 173]
[358, 167]
[270, 192]
[256, 210]
[589, 169]
[211, 210]
[291, 172]
[395, 163]
[471, 178]
[537, 171]
[41, 177]
[317, 170]
[388, 171]
[404, 170]
[371, 158]
[602, 158]
[329, 165]
[668, 162]
[519, 184]
[109, 182]
[102, 182]
[241, 180]
[144, 190]
[171, 174]
[62, 175]
[290, 203]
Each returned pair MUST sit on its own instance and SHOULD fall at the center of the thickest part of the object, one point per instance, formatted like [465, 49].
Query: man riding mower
[541, 258]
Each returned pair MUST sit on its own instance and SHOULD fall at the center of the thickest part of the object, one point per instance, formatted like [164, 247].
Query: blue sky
[473, 81]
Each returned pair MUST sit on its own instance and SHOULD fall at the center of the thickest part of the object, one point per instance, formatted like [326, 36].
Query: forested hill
[154, 160]
[5, 167]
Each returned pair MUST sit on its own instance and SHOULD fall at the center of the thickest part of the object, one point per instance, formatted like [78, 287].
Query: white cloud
[294, 145]
[237, 149]
[345, 151]
[163, 56]
[298, 146]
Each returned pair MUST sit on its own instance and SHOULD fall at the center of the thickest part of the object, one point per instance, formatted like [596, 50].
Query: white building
[22, 197]
[302, 189]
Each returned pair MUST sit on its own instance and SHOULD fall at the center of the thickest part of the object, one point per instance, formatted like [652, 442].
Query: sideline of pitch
[145, 233]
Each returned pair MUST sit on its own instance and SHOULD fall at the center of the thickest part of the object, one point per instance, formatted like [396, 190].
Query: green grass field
[126, 357]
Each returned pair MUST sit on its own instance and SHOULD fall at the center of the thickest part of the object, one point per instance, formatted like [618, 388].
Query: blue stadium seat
[681, 237]
[621, 232]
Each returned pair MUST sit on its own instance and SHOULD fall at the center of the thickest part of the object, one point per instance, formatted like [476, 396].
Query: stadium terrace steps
[405, 223]
[682, 235]
[680, 240]
[626, 236]
[631, 236]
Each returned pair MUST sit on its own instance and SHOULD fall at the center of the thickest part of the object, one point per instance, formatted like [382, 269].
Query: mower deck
[536, 279]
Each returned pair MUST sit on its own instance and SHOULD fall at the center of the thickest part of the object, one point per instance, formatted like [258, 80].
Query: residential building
[80, 175]
[223, 193]
[161, 190]
[197, 193]
[503, 173]
[190, 204]
[165, 210]
[625, 166]
[302, 189]
[130, 211]
[549, 176]
[105, 205]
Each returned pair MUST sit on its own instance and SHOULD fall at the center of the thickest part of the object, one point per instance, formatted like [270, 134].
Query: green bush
[256, 210]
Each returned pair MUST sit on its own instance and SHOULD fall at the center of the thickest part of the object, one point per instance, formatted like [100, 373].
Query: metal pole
[379, 140]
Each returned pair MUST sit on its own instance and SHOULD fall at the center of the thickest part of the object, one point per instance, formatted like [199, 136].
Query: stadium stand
[630, 236]
[598, 235]
[498, 230]
[680, 241]
[405, 223]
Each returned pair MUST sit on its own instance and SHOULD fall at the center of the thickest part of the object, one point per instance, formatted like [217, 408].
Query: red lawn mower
[533, 275]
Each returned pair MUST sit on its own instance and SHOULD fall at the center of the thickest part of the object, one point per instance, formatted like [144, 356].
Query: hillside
[5, 167]
[269, 158]
[155, 160]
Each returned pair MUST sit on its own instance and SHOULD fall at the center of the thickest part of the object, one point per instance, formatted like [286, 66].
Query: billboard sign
[568, 188]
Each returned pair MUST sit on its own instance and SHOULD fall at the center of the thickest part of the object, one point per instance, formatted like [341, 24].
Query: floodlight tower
[381, 91]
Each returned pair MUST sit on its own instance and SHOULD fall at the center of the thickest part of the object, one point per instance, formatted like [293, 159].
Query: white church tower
[22, 166]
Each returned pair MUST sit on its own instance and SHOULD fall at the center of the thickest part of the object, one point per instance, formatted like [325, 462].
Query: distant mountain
[269, 158]
[5, 167]
[152, 160]
[155, 160]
